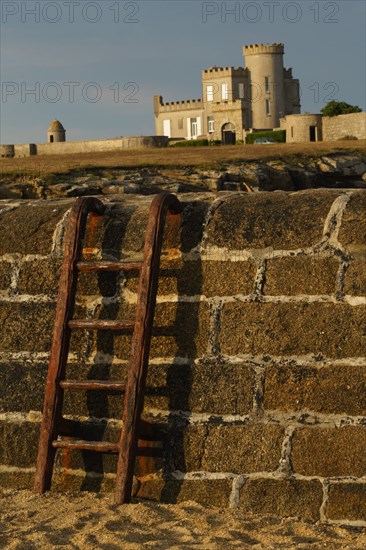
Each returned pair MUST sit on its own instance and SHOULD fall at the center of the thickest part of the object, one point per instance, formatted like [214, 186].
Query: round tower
[265, 65]
[56, 132]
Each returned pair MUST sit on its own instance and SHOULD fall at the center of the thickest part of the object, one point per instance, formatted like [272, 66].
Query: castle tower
[265, 65]
[56, 132]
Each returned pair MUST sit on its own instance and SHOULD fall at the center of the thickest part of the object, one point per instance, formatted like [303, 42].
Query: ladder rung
[108, 266]
[93, 385]
[101, 324]
[81, 445]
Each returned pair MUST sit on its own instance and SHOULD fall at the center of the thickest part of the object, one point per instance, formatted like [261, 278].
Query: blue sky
[96, 65]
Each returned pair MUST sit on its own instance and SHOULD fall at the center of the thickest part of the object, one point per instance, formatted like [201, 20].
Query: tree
[334, 108]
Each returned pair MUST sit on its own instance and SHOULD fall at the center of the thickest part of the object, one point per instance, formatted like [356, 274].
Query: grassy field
[211, 157]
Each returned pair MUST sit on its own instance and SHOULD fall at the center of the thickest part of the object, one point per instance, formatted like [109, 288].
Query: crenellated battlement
[254, 49]
[287, 73]
[183, 101]
[181, 105]
[224, 71]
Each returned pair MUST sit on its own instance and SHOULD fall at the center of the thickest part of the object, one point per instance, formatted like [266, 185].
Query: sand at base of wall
[91, 521]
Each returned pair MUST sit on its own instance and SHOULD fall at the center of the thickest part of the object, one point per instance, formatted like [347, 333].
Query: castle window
[292, 131]
[268, 107]
[210, 124]
[241, 90]
[224, 91]
[195, 127]
[167, 128]
[209, 92]
[266, 84]
[180, 124]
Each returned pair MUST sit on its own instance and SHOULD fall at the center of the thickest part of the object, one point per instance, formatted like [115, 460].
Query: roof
[56, 126]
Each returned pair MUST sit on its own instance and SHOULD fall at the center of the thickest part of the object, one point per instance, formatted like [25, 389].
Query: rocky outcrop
[334, 171]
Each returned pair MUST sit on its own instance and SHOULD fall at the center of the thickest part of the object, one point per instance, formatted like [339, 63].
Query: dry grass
[196, 156]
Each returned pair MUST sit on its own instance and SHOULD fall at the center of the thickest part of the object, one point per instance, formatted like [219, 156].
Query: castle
[235, 100]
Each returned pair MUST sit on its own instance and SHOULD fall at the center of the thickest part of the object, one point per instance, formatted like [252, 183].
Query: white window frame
[241, 90]
[194, 127]
[199, 126]
[167, 122]
[210, 92]
[189, 128]
[210, 124]
[224, 91]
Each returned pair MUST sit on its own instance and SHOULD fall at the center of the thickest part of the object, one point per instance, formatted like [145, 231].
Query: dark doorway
[312, 133]
[51, 139]
[228, 134]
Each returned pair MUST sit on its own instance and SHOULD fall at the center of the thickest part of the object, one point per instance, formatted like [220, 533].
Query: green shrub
[278, 135]
[334, 108]
[239, 142]
[192, 143]
[348, 138]
[215, 142]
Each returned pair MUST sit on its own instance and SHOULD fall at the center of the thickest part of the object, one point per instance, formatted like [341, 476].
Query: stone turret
[56, 132]
[265, 64]
[255, 49]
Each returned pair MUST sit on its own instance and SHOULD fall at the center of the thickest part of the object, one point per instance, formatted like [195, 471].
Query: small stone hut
[56, 132]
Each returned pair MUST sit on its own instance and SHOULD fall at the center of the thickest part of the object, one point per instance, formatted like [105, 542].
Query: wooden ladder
[52, 422]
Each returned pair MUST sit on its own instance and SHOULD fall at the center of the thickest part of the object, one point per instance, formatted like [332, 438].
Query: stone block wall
[336, 127]
[258, 359]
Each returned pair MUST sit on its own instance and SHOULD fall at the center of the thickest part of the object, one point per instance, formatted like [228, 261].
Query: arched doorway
[228, 134]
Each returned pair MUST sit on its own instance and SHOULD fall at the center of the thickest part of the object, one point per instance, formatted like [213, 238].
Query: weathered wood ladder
[53, 423]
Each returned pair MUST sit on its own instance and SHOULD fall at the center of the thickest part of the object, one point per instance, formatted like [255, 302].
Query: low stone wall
[258, 359]
[67, 147]
[336, 127]
[25, 150]
[101, 145]
[7, 151]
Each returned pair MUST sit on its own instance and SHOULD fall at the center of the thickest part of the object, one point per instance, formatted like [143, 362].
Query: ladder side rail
[135, 388]
[53, 401]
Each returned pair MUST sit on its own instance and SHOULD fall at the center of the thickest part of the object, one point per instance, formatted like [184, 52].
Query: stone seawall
[258, 359]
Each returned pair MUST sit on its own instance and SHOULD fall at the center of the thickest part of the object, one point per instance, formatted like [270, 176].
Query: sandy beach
[91, 521]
